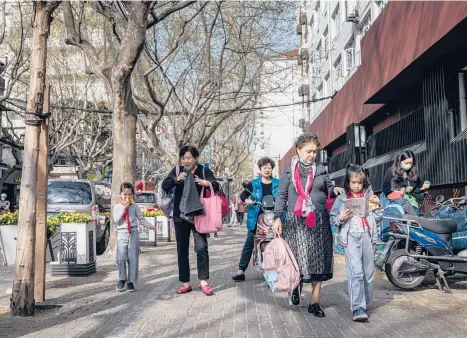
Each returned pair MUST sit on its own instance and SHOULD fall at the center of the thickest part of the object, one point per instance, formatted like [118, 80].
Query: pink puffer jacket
[278, 257]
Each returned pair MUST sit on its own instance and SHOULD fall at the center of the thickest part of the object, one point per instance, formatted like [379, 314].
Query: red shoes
[184, 289]
[207, 290]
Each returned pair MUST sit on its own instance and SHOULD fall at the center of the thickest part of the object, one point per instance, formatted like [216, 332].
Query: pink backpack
[211, 222]
[278, 257]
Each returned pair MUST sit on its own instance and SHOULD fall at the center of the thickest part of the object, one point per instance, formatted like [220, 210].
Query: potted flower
[9, 233]
[147, 236]
[77, 256]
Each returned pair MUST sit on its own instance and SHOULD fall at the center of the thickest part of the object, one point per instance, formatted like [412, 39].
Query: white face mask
[406, 166]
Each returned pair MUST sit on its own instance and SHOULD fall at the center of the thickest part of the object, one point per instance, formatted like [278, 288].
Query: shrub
[11, 218]
[152, 213]
[74, 218]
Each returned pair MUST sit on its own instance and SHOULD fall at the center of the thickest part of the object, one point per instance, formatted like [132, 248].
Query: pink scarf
[304, 207]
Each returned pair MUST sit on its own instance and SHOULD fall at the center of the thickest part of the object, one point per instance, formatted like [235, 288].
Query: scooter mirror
[439, 199]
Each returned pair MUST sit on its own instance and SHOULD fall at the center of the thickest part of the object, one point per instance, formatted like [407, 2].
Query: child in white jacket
[357, 235]
[127, 217]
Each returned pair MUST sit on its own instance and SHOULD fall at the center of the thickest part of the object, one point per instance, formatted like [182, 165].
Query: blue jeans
[247, 250]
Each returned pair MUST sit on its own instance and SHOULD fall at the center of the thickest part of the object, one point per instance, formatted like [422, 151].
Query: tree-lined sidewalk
[92, 307]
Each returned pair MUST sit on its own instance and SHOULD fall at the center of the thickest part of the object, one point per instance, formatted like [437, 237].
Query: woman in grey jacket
[303, 189]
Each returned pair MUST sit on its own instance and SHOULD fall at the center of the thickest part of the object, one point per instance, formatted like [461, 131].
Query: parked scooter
[417, 245]
[454, 208]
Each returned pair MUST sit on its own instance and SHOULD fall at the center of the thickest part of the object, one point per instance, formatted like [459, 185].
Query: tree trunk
[124, 146]
[22, 301]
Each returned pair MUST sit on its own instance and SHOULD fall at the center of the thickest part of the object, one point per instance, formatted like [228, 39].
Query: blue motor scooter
[417, 245]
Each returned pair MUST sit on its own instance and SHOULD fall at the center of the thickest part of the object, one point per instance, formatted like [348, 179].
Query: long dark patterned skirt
[312, 247]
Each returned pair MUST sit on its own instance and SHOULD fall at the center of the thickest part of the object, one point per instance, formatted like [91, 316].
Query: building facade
[407, 93]
[330, 53]
[277, 124]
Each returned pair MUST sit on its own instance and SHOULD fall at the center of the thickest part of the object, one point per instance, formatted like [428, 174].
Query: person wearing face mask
[303, 189]
[405, 167]
[254, 192]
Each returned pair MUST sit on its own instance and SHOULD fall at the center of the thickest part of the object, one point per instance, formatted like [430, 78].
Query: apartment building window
[320, 95]
[338, 69]
[319, 51]
[336, 22]
[350, 63]
[326, 40]
[312, 23]
[314, 109]
[327, 85]
[381, 4]
[366, 23]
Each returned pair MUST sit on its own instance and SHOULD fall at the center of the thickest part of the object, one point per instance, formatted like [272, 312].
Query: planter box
[8, 240]
[163, 228]
[77, 255]
[148, 237]
[8, 235]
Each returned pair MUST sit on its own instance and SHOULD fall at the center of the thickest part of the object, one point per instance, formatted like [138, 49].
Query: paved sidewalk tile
[92, 308]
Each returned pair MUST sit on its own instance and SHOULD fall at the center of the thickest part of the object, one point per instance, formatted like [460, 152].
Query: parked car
[146, 200]
[83, 196]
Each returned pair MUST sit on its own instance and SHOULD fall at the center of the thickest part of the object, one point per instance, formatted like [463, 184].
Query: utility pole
[41, 204]
[22, 300]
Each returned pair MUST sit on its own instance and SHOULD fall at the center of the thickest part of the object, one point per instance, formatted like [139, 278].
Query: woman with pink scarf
[303, 189]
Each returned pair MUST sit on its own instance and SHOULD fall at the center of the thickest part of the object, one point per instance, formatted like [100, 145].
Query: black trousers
[183, 230]
[240, 217]
[247, 250]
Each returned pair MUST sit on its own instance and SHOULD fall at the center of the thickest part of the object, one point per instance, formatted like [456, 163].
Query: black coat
[416, 185]
[170, 182]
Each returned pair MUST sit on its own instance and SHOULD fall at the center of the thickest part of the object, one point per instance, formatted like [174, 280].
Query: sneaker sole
[362, 318]
[130, 290]
[119, 290]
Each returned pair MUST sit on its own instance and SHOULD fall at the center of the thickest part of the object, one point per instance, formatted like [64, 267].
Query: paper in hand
[357, 205]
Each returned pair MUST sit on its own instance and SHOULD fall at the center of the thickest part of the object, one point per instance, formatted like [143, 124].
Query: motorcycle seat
[438, 226]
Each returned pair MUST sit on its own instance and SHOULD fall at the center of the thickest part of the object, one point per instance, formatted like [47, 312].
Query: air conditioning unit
[299, 29]
[304, 90]
[352, 16]
[302, 18]
[303, 52]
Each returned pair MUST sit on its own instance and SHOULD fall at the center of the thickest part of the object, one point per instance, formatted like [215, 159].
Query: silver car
[82, 196]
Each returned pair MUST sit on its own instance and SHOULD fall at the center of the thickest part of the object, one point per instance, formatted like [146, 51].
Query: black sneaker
[120, 285]
[130, 287]
[360, 315]
[239, 277]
